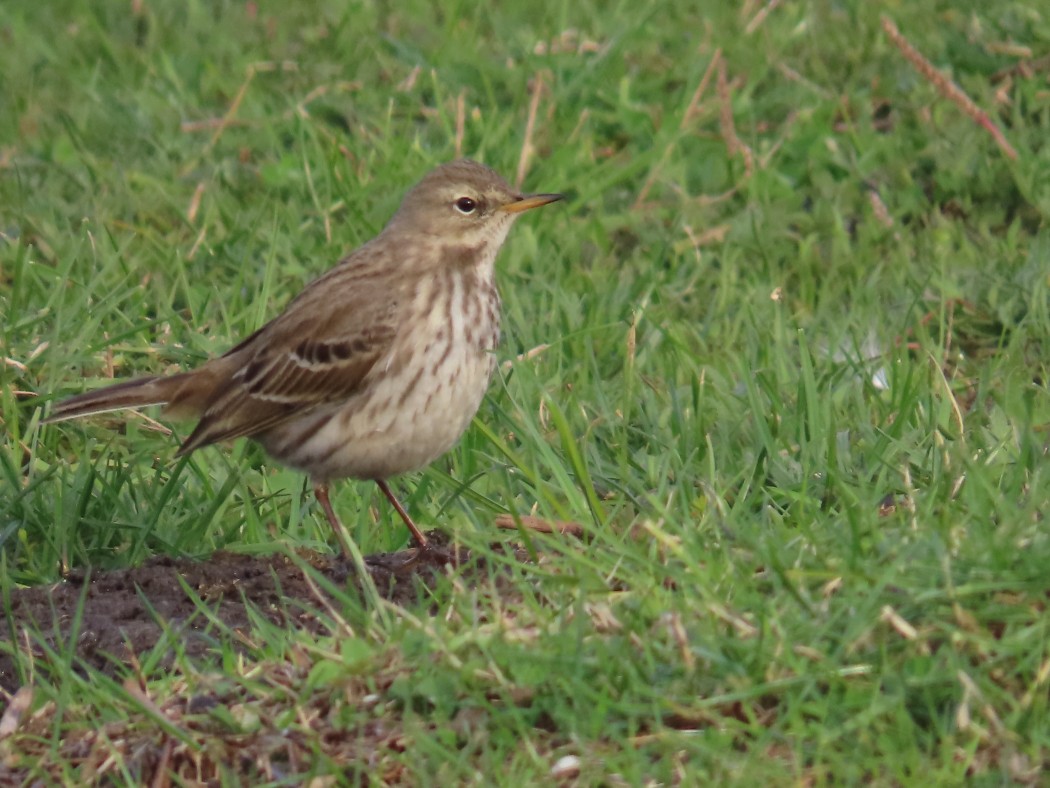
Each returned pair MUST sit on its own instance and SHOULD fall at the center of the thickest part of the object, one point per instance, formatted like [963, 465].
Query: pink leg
[420, 539]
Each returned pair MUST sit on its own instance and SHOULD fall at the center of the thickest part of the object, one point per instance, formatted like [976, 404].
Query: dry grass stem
[946, 87]
[760, 17]
[530, 126]
[511, 522]
[727, 124]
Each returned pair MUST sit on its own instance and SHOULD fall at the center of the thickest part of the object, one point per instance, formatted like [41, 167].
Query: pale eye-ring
[466, 205]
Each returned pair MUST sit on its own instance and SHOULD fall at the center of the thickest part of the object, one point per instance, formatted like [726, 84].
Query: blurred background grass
[796, 377]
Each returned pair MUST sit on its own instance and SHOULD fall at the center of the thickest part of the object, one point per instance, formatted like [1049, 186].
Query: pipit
[379, 365]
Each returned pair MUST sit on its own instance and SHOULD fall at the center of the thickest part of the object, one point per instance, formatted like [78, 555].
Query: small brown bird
[379, 365]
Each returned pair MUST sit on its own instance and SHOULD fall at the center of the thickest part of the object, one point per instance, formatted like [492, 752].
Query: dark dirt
[123, 610]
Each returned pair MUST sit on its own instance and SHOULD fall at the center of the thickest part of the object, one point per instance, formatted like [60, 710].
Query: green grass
[809, 447]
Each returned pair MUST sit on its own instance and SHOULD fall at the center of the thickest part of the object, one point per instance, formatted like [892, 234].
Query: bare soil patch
[122, 611]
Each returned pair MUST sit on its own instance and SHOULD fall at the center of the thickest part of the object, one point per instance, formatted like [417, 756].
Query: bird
[378, 366]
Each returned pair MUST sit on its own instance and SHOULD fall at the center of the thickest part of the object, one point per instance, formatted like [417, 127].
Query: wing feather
[320, 350]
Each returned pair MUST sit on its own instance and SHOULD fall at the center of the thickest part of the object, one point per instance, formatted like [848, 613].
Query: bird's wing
[320, 350]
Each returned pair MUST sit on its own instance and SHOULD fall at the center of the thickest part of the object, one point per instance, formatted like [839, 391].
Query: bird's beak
[530, 201]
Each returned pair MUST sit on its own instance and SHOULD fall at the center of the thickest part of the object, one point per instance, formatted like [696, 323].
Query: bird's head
[463, 205]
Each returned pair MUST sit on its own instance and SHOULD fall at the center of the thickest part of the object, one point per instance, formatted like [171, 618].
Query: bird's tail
[130, 394]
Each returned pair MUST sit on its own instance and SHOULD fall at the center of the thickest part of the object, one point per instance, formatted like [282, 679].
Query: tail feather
[136, 393]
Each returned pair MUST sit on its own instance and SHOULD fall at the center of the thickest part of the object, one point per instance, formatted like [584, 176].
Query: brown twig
[691, 110]
[461, 122]
[197, 243]
[195, 202]
[878, 207]
[512, 522]
[760, 17]
[231, 113]
[18, 705]
[528, 354]
[530, 125]
[694, 101]
[207, 124]
[728, 125]
[946, 87]
[1026, 69]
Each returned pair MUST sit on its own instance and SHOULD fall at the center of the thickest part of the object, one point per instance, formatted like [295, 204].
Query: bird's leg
[321, 493]
[420, 539]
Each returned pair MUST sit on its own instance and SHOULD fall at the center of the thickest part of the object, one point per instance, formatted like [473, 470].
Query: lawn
[783, 353]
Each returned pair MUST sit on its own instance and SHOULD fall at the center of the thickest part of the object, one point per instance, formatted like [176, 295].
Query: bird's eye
[466, 206]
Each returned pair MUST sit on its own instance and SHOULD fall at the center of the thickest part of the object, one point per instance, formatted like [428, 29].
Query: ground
[783, 351]
[115, 614]
[114, 617]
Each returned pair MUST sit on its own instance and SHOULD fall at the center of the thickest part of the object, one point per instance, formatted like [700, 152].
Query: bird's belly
[401, 423]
